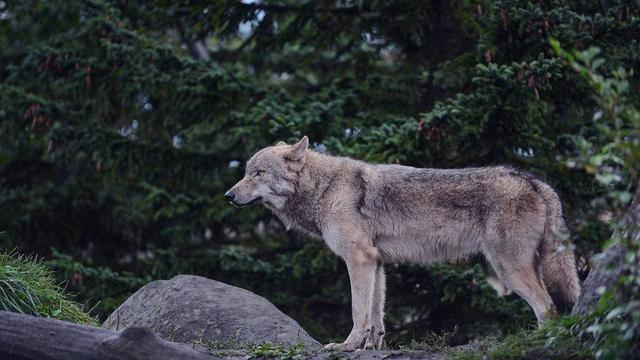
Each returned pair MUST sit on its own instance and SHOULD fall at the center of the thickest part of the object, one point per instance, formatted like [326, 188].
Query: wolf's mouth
[238, 205]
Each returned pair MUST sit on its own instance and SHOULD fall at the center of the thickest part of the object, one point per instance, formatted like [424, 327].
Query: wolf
[375, 214]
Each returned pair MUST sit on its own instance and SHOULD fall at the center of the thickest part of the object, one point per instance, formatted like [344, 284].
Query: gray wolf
[375, 214]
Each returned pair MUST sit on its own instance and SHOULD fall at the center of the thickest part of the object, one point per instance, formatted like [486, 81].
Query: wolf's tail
[557, 261]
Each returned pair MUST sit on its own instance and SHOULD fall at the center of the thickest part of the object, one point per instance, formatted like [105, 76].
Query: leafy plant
[104, 288]
[611, 156]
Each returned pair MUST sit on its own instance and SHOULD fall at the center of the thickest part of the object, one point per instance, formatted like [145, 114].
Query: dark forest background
[123, 122]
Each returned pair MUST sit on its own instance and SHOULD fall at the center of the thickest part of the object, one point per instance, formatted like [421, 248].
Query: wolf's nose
[229, 196]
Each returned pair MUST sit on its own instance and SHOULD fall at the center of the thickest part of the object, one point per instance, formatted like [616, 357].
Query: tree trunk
[25, 337]
[197, 48]
[632, 217]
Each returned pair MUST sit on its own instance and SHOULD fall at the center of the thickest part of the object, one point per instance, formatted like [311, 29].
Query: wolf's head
[270, 175]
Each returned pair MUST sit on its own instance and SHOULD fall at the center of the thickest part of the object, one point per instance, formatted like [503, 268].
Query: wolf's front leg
[362, 265]
[376, 336]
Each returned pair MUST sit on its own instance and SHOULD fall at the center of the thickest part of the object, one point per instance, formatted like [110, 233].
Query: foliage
[27, 286]
[566, 337]
[105, 287]
[123, 123]
[612, 155]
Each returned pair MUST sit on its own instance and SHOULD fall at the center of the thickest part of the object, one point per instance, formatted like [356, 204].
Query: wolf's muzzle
[231, 197]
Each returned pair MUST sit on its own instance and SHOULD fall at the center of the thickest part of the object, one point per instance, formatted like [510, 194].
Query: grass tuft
[28, 287]
[558, 338]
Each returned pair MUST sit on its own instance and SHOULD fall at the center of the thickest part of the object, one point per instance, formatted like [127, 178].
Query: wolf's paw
[375, 338]
[373, 344]
[345, 346]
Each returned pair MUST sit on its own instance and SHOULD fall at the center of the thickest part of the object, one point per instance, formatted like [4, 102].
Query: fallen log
[25, 337]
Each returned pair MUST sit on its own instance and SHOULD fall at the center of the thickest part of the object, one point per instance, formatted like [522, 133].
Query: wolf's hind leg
[525, 281]
[377, 311]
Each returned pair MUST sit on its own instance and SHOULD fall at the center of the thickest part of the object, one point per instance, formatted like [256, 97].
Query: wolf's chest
[299, 220]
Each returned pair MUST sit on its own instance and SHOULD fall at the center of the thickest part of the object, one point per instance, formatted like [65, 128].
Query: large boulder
[193, 309]
[606, 270]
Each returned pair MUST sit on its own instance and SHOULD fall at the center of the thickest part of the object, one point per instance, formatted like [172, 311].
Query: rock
[464, 351]
[33, 338]
[607, 268]
[196, 310]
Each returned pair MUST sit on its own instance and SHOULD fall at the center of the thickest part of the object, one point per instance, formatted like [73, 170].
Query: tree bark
[632, 217]
[197, 48]
[25, 337]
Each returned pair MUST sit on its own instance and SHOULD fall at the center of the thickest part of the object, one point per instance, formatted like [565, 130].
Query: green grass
[602, 333]
[27, 286]
[560, 338]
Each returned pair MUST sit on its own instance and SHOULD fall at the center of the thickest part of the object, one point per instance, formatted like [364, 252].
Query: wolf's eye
[259, 172]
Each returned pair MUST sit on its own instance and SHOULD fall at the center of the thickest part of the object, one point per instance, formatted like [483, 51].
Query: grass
[558, 339]
[28, 287]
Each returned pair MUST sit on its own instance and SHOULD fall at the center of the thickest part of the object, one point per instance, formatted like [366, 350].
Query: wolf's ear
[298, 149]
[280, 143]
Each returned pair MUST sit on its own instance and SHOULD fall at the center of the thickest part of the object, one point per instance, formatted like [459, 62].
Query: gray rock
[435, 354]
[607, 268]
[196, 310]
